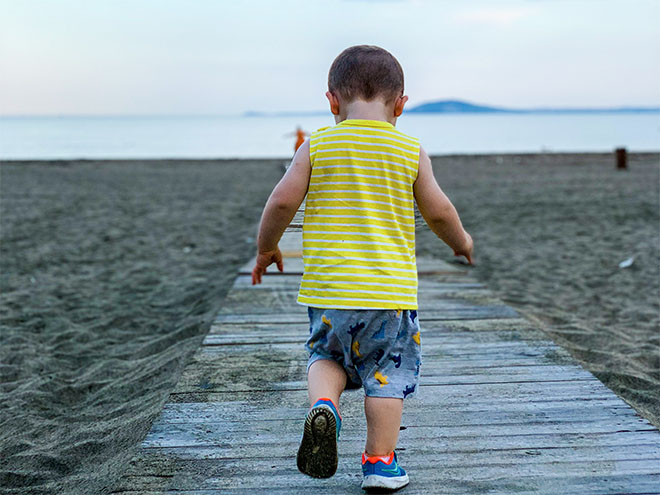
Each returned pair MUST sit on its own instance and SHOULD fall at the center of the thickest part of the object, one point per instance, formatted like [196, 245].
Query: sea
[244, 136]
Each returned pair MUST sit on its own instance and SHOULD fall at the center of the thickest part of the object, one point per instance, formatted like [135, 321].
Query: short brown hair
[366, 72]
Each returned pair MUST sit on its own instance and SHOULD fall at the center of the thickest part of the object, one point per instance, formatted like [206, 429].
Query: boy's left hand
[264, 260]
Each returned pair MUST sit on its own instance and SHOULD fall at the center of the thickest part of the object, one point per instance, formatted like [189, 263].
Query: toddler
[361, 178]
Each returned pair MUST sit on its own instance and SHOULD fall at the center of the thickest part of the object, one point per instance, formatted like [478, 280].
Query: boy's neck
[366, 110]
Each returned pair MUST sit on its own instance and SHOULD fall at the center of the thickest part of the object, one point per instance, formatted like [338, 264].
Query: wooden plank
[243, 301]
[435, 346]
[217, 380]
[433, 297]
[299, 317]
[480, 358]
[429, 395]
[298, 368]
[236, 382]
[430, 332]
[275, 472]
[293, 356]
[299, 337]
[530, 456]
[584, 484]
[234, 433]
[620, 484]
[513, 325]
[290, 421]
[252, 384]
[190, 412]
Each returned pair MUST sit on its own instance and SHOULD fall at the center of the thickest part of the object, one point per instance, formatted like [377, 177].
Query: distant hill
[459, 106]
[453, 106]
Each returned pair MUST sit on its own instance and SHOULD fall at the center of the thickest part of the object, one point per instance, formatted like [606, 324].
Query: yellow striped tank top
[359, 226]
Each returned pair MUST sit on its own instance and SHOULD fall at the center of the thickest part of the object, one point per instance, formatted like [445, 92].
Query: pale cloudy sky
[226, 57]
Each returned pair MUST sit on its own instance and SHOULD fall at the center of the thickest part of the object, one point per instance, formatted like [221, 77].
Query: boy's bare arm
[280, 209]
[438, 211]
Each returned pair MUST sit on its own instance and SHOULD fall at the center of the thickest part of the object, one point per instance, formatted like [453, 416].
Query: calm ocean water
[238, 136]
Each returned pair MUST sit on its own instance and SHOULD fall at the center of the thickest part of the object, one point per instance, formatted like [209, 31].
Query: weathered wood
[431, 331]
[300, 316]
[236, 382]
[616, 484]
[260, 433]
[240, 301]
[428, 395]
[276, 472]
[479, 357]
[619, 484]
[430, 345]
[213, 427]
[539, 462]
[514, 325]
[584, 484]
[191, 412]
[500, 409]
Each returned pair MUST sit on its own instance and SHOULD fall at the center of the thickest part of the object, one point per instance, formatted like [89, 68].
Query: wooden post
[621, 159]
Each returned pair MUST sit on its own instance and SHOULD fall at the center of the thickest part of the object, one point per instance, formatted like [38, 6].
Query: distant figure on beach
[361, 178]
[300, 137]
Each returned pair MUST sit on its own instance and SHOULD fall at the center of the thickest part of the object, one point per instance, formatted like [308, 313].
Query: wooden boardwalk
[500, 409]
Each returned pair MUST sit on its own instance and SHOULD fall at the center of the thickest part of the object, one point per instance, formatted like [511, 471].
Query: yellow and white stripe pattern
[359, 227]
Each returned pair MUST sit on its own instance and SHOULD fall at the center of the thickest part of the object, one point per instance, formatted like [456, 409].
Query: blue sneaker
[317, 455]
[382, 473]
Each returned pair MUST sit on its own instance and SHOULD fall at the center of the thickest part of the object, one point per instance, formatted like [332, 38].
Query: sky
[104, 57]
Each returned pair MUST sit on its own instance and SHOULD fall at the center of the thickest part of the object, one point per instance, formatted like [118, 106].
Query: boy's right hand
[264, 260]
[466, 250]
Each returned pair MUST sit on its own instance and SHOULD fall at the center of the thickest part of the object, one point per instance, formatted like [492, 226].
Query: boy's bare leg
[325, 378]
[383, 422]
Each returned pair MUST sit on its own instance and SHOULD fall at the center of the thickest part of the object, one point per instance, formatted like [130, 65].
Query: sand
[111, 274]
[111, 271]
[550, 231]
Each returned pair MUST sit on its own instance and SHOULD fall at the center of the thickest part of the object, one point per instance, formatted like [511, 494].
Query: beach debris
[621, 158]
[627, 262]
[188, 248]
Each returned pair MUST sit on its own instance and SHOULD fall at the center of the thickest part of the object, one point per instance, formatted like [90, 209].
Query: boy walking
[361, 178]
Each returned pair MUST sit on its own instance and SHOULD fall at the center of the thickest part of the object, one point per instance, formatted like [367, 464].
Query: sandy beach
[550, 231]
[111, 272]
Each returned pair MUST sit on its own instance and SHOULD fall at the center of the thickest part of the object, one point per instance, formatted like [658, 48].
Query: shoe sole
[382, 484]
[317, 455]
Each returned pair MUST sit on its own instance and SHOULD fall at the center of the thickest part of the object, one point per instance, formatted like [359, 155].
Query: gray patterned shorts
[379, 349]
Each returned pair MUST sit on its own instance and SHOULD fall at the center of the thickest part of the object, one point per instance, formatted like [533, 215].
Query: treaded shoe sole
[381, 484]
[317, 455]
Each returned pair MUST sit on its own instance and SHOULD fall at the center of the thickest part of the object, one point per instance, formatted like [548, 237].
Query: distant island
[460, 106]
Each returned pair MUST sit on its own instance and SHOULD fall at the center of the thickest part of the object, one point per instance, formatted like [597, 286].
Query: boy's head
[366, 72]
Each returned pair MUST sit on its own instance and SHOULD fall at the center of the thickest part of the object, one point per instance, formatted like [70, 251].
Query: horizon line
[296, 113]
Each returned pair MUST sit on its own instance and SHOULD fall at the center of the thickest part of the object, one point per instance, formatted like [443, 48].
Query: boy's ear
[334, 102]
[399, 104]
